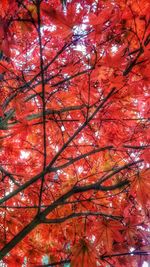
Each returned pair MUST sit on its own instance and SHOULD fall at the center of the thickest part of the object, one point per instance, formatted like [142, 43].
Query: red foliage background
[74, 136]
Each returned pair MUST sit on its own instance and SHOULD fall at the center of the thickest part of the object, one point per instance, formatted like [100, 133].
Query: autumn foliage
[74, 136]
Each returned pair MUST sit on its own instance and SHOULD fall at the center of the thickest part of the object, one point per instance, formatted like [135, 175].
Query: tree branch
[7, 173]
[80, 214]
[73, 160]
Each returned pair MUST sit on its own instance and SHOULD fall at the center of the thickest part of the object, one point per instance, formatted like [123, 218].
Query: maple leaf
[83, 254]
[107, 232]
[141, 186]
[57, 18]
[132, 232]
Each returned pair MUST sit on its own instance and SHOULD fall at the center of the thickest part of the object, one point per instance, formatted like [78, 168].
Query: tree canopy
[74, 136]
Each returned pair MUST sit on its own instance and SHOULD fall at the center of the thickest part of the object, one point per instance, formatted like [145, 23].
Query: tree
[74, 143]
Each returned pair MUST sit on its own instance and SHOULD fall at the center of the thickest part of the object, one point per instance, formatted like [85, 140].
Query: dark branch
[80, 214]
